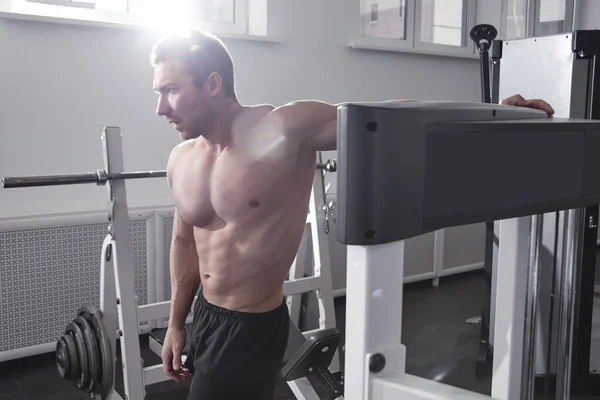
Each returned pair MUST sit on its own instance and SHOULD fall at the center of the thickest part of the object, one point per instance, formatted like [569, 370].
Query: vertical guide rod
[572, 251]
[532, 295]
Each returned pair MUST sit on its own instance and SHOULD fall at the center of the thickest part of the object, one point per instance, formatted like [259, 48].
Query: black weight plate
[75, 368]
[89, 335]
[83, 379]
[63, 360]
[94, 316]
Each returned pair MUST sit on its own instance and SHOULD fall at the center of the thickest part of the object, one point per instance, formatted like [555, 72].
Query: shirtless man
[241, 182]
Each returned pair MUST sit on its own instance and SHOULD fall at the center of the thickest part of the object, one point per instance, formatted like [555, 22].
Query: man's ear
[215, 82]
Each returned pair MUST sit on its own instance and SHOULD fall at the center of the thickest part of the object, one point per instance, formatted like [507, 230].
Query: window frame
[374, 13]
[532, 23]
[467, 47]
[411, 42]
[23, 9]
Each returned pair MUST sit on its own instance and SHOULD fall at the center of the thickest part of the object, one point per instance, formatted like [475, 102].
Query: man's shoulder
[175, 155]
[182, 148]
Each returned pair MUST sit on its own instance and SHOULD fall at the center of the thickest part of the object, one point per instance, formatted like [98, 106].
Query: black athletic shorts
[236, 355]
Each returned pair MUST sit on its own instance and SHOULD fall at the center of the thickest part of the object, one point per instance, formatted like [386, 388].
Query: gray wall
[62, 84]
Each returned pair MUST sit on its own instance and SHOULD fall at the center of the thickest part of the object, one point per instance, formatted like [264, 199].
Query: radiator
[49, 267]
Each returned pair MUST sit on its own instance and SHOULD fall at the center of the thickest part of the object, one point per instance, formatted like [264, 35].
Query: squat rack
[118, 303]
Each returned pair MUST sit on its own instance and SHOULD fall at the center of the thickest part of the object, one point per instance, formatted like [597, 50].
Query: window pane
[216, 10]
[516, 19]
[383, 18]
[552, 17]
[442, 22]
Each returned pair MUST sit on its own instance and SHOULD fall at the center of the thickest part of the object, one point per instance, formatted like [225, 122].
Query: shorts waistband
[273, 315]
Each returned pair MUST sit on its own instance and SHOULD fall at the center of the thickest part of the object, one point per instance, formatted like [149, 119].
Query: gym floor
[440, 343]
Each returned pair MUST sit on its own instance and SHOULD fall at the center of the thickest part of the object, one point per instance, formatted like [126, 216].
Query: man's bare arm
[184, 270]
[314, 122]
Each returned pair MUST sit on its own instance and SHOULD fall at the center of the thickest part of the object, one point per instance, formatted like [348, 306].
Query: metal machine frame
[580, 92]
[395, 185]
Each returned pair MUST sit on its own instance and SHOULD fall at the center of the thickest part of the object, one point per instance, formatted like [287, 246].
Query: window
[442, 22]
[374, 12]
[424, 26]
[551, 18]
[527, 18]
[219, 16]
[516, 19]
[385, 14]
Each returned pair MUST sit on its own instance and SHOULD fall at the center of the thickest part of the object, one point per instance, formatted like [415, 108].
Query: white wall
[589, 14]
[61, 84]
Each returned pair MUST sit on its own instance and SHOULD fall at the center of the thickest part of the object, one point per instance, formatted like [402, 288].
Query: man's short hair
[202, 53]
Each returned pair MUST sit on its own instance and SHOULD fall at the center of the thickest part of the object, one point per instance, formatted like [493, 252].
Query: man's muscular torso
[245, 203]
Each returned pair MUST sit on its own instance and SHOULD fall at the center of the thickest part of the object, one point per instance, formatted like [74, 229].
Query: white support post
[322, 259]
[124, 267]
[510, 302]
[375, 356]
[108, 298]
[294, 302]
[151, 267]
[321, 254]
[374, 294]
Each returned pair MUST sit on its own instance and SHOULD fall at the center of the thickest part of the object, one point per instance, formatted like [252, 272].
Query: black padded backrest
[295, 340]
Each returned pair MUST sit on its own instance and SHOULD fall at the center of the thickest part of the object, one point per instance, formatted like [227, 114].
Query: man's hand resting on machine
[171, 354]
[518, 100]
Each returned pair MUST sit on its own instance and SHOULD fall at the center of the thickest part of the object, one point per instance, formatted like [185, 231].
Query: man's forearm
[185, 280]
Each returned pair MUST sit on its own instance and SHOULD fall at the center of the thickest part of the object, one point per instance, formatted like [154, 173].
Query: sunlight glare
[167, 17]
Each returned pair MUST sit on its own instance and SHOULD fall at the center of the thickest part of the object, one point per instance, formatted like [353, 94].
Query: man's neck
[220, 134]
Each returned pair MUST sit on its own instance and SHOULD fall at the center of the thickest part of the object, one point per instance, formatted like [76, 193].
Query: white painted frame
[21, 9]
[572, 10]
[412, 42]
[466, 49]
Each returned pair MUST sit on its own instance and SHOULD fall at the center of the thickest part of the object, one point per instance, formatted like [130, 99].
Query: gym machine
[411, 168]
[86, 352]
[562, 69]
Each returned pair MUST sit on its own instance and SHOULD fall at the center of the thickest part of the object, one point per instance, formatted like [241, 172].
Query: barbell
[100, 177]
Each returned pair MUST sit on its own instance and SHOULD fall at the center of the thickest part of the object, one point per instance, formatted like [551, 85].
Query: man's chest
[235, 186]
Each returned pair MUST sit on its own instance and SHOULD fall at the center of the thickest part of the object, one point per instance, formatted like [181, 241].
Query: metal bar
[571, 21]
[485, 77]
[587, 271]
[496, 57]
[509, 312]
[49, 180]
[137, 175]
[558, 241]
[303, 285]
[573, 235]
[100, 177]
[533, 268]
